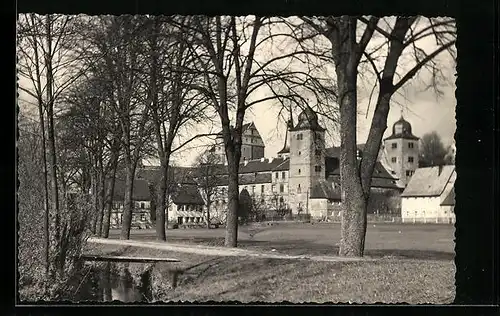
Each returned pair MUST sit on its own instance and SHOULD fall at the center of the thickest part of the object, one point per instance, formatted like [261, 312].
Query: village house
[140, 204]
[429, 196]
[184, 202]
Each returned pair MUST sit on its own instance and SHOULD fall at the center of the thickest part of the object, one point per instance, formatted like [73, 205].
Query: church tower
[307, 158]
[401, 149]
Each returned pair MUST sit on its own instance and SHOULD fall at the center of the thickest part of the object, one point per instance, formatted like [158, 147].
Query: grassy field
[245, 279]
[415, 266]
[417, 241]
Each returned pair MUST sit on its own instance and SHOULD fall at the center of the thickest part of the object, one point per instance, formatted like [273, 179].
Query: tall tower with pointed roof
[402, 150]
[285, 151]
[307, 158]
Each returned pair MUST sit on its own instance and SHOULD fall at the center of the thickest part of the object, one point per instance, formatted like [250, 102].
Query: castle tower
[401, 149]
[307, 158]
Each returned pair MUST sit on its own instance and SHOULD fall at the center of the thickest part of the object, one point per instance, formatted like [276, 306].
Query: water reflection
[113, 281]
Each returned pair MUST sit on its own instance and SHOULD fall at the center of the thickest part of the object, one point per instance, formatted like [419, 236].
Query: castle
[304, 178]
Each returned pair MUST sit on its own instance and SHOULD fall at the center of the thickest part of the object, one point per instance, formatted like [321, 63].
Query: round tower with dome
[401, 149]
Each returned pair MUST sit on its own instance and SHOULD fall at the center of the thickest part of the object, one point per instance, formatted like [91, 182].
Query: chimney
[440, 169]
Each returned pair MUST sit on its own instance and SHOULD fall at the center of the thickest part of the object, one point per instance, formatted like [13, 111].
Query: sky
[423, 110]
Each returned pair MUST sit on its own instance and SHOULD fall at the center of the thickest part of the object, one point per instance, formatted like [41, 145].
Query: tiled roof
[256, 165]
[325, 190]
[243, 129]
[429, 181]
[450, 198]
[140, 190]
[176, 174]
[187, 194]
[332, 167]
[247, 179]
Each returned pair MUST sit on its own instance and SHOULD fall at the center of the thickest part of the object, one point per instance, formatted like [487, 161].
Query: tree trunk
[127, 202]
[51, 131]
[46, 210]
[153, 196]
[231, 239]
[93, 224]
[162, 192]
[208, 211]
[101, 201]
[109, 197]
[353, 219]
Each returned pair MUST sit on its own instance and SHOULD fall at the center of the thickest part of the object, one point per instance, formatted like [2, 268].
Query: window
[253, 189]
[276, 175]
[317, 168]
[410, 145]
[394, 159]
[262, 189]
[262, 201]
[142, 204]
[143, 217]
[318, 152]
[283, 175]
[299, 137]
[410, 159]
[273, 188]
[299, 190]
[299, 171]
[282, 188]
[251, 140]
[299, 152]
[409, 173]
[394, 145]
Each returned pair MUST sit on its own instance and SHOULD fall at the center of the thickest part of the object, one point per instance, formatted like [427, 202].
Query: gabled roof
[325, 190]
[187, 194]
[140, 190]
[245, 179]
[450, 198]
[184, 175]
[256, 165]
[429, 181]
[243, 128]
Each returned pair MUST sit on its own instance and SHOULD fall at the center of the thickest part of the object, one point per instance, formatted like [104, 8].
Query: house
[140, 203]
[429, 196]
[184, 202]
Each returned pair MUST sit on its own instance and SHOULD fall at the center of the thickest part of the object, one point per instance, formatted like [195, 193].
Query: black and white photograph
[196, 158]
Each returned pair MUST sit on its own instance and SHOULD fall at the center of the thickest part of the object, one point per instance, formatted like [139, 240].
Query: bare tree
[226, 56]
[208, 178]
[174, 105]
[48, 65]
[398, 37]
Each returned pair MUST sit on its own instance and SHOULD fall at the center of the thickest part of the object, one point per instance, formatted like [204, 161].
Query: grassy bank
[206, 278]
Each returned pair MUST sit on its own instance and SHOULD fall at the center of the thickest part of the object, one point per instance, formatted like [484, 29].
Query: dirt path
[217, 251]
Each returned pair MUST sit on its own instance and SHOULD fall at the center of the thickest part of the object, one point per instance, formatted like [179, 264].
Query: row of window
[410, 159]
[410, 145]
[316, 136]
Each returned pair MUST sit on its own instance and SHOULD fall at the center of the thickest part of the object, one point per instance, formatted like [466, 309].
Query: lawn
[415, 265]
[417, 241]
[205, 278]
